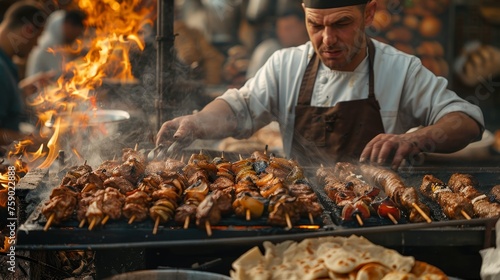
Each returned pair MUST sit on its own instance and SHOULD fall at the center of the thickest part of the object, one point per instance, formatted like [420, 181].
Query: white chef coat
[408, 93]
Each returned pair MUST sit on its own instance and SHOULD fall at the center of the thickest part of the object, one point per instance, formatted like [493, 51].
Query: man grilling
[340, 96]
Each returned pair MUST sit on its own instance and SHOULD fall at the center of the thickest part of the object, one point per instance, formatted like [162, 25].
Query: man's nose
[329, 36]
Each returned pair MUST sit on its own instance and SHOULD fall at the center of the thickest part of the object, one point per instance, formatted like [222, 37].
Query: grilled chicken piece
[119, 183]
[465, 185]
[452, 204]
[132, 170]
[112, 203]
[495, 192]
[61, 205]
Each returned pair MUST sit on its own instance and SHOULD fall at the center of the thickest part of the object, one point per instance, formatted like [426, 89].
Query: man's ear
[370, 9]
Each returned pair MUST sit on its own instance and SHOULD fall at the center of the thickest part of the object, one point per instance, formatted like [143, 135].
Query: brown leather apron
[337, 133]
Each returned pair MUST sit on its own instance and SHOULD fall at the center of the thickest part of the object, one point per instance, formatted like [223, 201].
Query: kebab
[272, 186]
[63, 199]
[249, 202]
[343, 195]
[199, 172]
[94, 213]
[165, 201]
[251, 191]
[112, 204]
[465, 185]
[454, 205]
[391, 183]
[61, 205]
[219, 202]
[384, 207]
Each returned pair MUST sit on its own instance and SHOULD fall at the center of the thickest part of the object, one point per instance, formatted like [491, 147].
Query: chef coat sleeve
[256, 103]
[427, 97]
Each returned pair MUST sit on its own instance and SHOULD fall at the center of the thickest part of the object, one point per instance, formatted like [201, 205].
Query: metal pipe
[165, 75]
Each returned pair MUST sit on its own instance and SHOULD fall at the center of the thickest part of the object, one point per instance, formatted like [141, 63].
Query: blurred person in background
[340, 96]
[194, 50]
[22, 25]
[62, 30]
[290, 32]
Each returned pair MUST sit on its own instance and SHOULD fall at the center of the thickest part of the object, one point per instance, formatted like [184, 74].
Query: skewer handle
[392, 218]
[186, 222]
[131, 220]
[157, 223]
[248, 215]
[288, 221]
[82, 223]
[311, 218]
[105, 220]
[360, 221]
[465, 215]
[421, 212]
[49, 222]
[92, 223]
[208, 228]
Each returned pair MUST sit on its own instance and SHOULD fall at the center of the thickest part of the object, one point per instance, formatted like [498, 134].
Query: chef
[340, 96]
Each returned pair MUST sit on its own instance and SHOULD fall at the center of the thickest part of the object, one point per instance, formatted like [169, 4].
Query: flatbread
[332, 257]
[372, 271]
[427, 271]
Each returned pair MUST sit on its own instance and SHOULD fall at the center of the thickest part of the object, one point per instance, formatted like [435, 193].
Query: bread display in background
[415, 27]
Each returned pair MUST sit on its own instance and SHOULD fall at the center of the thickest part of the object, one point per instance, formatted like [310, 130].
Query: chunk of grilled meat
[112, 203]
[61, 205]
[465, 185]
[74, 173]
[129, 153]
[136, 204]
[119, 183]
[132, 170]
[451, 203]
[495, 192]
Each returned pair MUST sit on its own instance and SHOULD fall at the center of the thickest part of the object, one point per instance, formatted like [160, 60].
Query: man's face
[338, 36]
[29, 40]
[71, 32]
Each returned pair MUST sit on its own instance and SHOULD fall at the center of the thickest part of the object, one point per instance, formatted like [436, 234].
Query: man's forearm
[451, 133]
[217, 120]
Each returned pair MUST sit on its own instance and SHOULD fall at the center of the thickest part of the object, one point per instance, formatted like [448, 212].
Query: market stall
[75, 203]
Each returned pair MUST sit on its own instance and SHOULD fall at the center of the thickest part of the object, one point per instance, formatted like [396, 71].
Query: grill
[452, 245]
[441, 231]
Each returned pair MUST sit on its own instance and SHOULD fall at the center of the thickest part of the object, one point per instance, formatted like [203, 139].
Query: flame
[115, 28]
[3, 196]
[6, 245]
[19, 148]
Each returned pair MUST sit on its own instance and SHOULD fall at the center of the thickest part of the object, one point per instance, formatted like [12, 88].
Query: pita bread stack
[331, 257]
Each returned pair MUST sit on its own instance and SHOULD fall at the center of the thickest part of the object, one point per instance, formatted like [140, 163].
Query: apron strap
[307, 84]
[371, 75]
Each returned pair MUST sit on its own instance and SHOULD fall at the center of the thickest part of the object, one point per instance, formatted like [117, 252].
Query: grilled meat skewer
[465, 185]
[454, 206]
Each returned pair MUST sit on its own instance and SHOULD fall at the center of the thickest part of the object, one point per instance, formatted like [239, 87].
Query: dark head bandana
[327, 4]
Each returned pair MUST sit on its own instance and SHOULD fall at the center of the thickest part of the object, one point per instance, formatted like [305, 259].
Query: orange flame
[3, 196]
[117, 27]
[6, 246]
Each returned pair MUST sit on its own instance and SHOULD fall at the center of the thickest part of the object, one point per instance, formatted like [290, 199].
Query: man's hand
[182, 130]
[390, 146]
[32, 84]
[449, 134]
